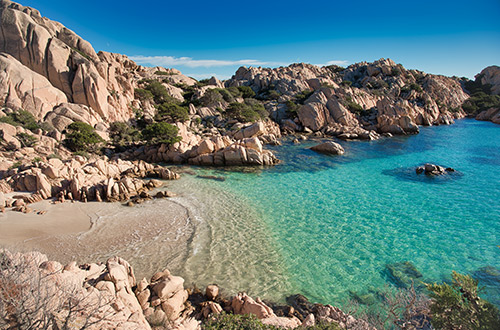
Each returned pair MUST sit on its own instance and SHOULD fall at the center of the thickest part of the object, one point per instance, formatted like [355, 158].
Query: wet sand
[151, 236]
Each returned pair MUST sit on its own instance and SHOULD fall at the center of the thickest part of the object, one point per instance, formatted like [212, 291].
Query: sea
[343, 228]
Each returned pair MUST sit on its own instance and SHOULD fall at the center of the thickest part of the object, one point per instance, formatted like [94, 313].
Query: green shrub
[163, 73]
[227, 95]
[160, 93]
[292, 108]
[161, 133]
[335, 68]
[301, 97]
[21, 118]
[413, 86]
[480, 101]
[250, 110]
[475, 86]
[81, 137]
[202, 82]
[211, 98]
[15, 165]
[225, 321]
[143, 94]
[26, 140]
[346, 83]
[273, 94]
[354, 107]
[172, 113]
[458, 306]
[246, 92]
[122, 133]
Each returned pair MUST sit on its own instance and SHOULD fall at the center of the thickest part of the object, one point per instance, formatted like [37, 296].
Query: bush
[211, 98]
[354, 107]
[225, 321]
[335, 68]
[458, 306]
[227, 95]
[480, 101]
[143, 94]
[291, 108]
[246, 92]
[346, 83]
[172, 113]
[163, 73]
[301, 97]
[82, 137]
[160, 93]
[413, 86]
[122, 133]
[26, 140]
[21, 118]
[161, 133]
[250, 110]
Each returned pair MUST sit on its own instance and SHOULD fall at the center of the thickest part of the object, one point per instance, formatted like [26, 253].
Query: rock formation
[361, 100]
[329, 147]
[108, 296]
[82, 180]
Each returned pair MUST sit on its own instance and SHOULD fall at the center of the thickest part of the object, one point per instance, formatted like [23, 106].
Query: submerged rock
[403, 274]
[329, 147]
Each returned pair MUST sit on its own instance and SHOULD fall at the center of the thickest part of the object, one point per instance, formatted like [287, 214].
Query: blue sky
[204, 38]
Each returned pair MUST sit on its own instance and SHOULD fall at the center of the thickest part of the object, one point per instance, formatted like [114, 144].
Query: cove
[333, 227]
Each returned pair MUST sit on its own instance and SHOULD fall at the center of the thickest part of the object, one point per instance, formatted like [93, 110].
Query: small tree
[81, 137]
[122, 133]
[172, 113]
[161, 133]
[458, 306]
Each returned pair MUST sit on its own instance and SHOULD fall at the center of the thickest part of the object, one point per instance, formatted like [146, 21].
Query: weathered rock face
[102, 82]
[217, 150]
[491, 75]
[23, 88]
[103, 292]
[79, 179]
[373, 97]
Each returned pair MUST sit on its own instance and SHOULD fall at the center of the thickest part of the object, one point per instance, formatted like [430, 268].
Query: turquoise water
[328, 226]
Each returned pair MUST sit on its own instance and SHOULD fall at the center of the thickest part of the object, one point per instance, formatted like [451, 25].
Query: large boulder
[329, 147]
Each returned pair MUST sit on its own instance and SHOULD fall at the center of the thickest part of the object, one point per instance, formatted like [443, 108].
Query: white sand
[151, 236]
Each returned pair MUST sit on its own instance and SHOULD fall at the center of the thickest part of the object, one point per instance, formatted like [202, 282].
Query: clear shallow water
[327, 227]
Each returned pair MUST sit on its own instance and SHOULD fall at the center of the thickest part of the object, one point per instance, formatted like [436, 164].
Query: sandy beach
[150, 236]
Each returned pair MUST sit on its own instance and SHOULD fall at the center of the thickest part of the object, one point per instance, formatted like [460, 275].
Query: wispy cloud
[199, 76]
[335, 62]
[171, 61]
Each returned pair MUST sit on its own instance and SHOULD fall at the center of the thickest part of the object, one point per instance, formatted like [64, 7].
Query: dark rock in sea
[431, 169]
[301, 304]
[403, 274]
[212, 177]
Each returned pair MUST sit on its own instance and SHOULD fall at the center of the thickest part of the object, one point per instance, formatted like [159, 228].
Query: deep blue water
[346, 226]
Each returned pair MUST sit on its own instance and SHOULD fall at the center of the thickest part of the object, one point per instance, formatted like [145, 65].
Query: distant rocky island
[86, 126]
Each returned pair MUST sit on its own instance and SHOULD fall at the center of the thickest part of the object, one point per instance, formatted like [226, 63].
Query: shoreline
[85, 232]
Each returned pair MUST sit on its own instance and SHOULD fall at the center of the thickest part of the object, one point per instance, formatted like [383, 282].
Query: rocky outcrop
[491, 76]
[47, 48]
[98, 295]
[432, 170]
[361, 100]
[329, 147]
[492, 115]
[216, 150]
[79, 179]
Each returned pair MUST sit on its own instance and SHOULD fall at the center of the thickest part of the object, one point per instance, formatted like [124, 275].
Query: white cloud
[171, 61]
[199, 76]
[335, 62]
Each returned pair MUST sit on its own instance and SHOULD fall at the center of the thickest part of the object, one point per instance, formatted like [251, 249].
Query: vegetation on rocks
[161, 133]
[81, 137]
[458, 306]
[225, 321]
[26, 140]
[122, 133]
[21, 118]
[172, 113]
[250, 110]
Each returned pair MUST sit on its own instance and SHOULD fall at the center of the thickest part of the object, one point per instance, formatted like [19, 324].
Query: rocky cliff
[360, 101]
[44, 294]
